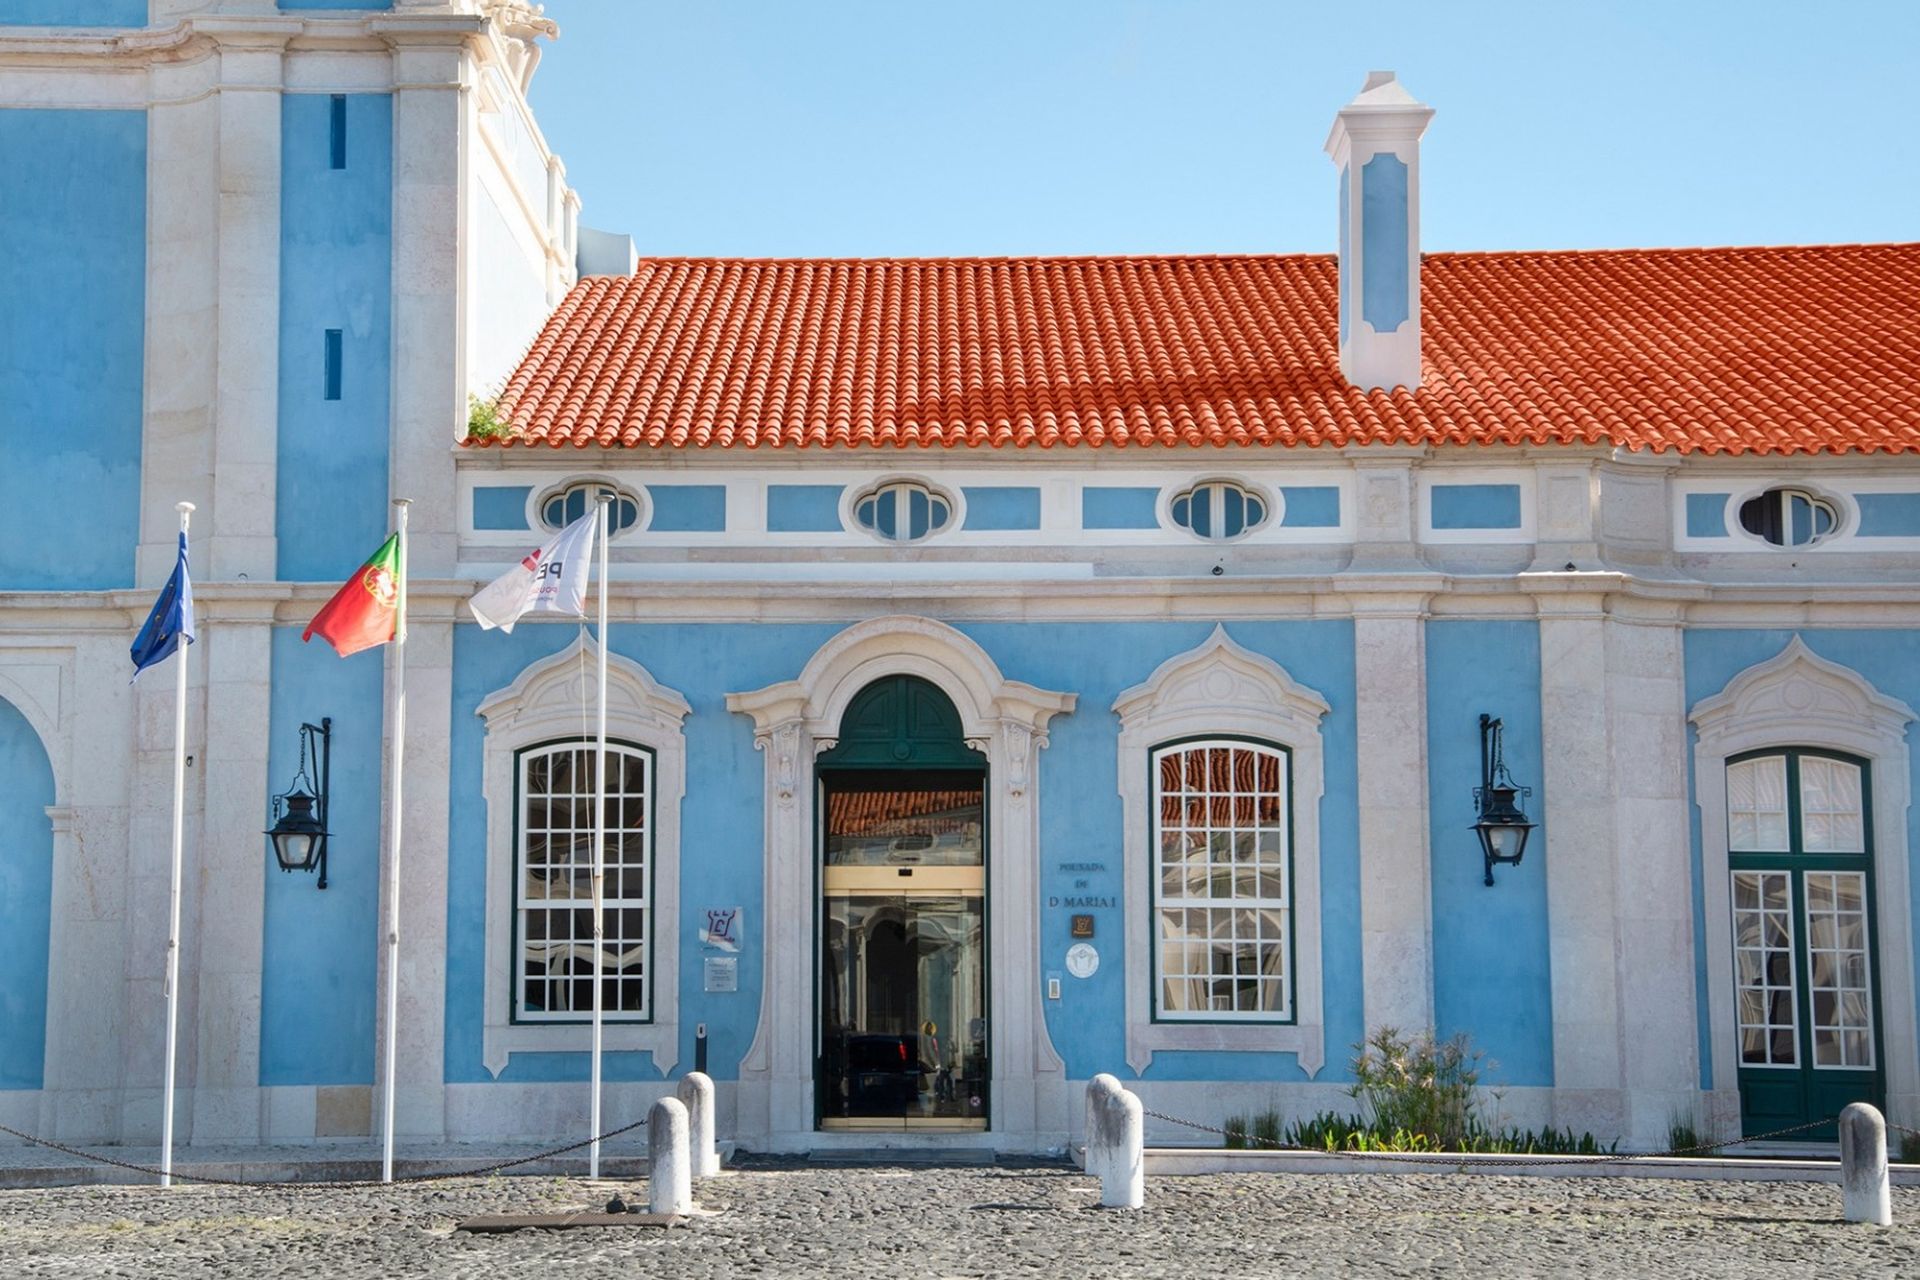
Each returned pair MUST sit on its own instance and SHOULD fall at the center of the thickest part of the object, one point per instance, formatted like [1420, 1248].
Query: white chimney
[1375, 143]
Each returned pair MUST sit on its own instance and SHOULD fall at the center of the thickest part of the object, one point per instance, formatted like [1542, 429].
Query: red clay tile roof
[1772, 350]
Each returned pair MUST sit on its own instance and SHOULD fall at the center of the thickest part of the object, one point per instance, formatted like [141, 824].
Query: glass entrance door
[903, 1012]
[1804, 967]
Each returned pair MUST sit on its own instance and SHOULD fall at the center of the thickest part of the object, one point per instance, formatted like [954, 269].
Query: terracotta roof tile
[1771, 350]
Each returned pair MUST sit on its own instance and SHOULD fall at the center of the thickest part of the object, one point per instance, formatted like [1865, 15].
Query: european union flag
[171, 620]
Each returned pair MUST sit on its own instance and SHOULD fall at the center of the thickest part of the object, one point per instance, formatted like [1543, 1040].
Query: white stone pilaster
[245, 437]
[421, 1059]
[227, 870]
[1386, 506]
[1654, 872]
[431, 138]
[1580, 853]
[182, 310]
[1566, 507]
[1390, 713]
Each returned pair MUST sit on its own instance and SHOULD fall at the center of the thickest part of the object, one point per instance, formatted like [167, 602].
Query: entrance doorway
[903, 910]
[1806, 973]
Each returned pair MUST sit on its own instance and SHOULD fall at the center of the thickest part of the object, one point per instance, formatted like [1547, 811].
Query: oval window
[1789, 517]
[565, 505]
[1218, 510]
[903, 511]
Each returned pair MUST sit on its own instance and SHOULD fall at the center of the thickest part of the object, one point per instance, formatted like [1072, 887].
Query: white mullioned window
[903, 511]
[553, 883]
[1222, 903]
[1218, 510]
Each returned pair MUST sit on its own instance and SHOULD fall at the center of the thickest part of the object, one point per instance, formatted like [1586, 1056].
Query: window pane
[1203, 512]
[1182, 511]
[1830, 806]
[886, 523]
[918, 514]
[1223, 948]
[1763, 950]
[1837, 969]
[1757, 805]
[1233, 514]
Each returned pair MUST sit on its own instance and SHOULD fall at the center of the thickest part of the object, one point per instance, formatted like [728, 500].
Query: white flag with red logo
[550, 580]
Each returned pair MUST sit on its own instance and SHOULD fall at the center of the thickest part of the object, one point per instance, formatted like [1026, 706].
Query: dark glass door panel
[903, 1009]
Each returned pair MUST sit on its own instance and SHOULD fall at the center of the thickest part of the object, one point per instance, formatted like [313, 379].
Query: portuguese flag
[360, 615]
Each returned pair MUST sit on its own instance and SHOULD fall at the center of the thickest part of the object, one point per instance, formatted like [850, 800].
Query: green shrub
[1237, 1127]
[1417, 1084]
[485, 420]
[1330, 1131]
[1681, 1134]
[1910, 1148]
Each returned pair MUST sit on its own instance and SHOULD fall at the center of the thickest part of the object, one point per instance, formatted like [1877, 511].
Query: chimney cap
[1383, 89]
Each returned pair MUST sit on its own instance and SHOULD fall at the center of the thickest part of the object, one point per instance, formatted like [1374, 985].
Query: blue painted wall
[1383, 243]
[1889, 660]
[1707, 515]
[336, 4]
[336, 260]
[1492, 977]
[1310, 507]
[26, 899]
[1130, 507]
[500, 507]
[992, 508]
[723, 826]
[1476, 506]
[693, 508]
[1889, 515]
[803, 508]
[73, 13]
[73, 209]
[320, 947]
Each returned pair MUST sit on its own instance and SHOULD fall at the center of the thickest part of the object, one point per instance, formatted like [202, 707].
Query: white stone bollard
[1119, 1135]
[1101, 1090]
[695, 1092]
[669, 1172]
[1865, 1195]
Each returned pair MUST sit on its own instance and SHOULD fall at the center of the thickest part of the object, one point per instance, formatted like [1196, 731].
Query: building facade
[1020, 668]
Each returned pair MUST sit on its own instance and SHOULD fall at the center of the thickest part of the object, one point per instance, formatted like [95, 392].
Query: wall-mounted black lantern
[299, 833]
[1502, 827]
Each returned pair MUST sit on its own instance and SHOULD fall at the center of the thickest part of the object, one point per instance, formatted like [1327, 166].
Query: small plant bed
[1420, 1094]
[1331, 1131]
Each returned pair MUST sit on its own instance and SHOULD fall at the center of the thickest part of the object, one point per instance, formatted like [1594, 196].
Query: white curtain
[1757, 805]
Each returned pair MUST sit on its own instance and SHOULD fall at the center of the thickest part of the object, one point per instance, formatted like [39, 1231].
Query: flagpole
[599, 848]
[173, 910]
[395, 751]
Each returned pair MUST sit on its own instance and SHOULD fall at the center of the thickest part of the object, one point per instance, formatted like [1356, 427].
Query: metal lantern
[299, 831]
[1502, 826]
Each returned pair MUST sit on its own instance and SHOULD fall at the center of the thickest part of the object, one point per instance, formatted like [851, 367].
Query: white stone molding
[1799, 699]
[1222, 688]
[1006, 721]
[543, 704]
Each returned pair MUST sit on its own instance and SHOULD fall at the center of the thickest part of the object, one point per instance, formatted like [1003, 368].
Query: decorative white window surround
[1222, 688]
[1799, 699]
[1006, 721]
[1843, 490]
[545, 704]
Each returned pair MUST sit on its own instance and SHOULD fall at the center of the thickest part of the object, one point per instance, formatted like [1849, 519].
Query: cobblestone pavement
[919, 1223]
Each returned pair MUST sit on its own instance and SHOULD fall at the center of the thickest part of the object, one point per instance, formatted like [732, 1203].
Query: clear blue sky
[828, 127]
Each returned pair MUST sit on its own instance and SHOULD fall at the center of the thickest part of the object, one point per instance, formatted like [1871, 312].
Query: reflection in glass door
[903, 1014]
[1800, 849]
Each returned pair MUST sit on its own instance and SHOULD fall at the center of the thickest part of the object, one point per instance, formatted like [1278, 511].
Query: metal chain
[482, 1171]
[1462, 1158]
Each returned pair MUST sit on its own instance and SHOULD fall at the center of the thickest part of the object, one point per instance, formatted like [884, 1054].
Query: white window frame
[1282, 904]
[1797, 699]
[1785, 492]
[524, 759]
[539, 498]
[1214, 487]
[1220, 689]
[901, 486]
[548, 702]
